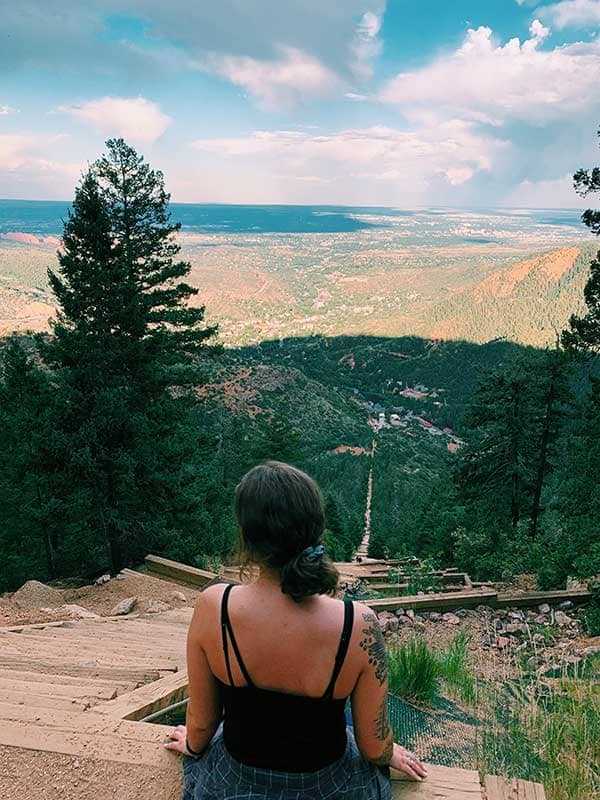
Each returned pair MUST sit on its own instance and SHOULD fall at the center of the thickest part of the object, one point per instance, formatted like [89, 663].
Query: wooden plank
[68, 692]
[29, 698]
[442, 783]
[126, 674]
[94, 736]
[536, 598]
[440, 600]
[497, 788]
[148, 699]
[182, 572]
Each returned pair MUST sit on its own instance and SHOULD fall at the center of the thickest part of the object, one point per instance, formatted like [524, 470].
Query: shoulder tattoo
[372, 643]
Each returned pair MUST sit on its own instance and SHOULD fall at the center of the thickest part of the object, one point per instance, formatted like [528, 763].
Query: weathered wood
[497, 788]
[442, 783]
[440, 600]
[148, 699]
[91, 692]
[536, 598]
[181, 572]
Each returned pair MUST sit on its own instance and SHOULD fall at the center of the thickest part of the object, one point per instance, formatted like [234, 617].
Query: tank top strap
[342, 648]
[226, 629]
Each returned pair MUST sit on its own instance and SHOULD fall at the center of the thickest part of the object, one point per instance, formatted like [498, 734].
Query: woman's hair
[280, 514]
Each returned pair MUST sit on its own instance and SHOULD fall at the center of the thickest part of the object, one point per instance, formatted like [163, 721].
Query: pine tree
[125, 344]
[584, 331]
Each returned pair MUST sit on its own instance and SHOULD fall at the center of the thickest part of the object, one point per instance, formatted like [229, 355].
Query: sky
[355, 102]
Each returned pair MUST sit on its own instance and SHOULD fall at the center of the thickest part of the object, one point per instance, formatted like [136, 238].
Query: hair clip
[313, 553]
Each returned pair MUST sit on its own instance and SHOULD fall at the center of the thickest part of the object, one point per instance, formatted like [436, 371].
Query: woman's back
[278, 724]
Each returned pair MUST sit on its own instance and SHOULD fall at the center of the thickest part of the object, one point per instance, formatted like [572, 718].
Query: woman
[277, 659]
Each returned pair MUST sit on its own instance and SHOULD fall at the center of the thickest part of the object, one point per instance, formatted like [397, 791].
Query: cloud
[341, 36]
[24, 164]
[572, 13]
[510, 82]
[283, 81]
[556, 192]
[385, 164]
[366, 45]
[134, 118]
[6, 110]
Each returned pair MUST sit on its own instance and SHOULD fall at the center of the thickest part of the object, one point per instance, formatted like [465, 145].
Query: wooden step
[191, 576]
[148, 699]
[442, 783]
[466, 599]
[91, 692]
[504, 789]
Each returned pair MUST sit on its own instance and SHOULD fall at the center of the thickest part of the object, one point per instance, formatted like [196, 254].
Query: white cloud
[552, 193]
[6, 110]
[572, 13]
[291, 77]
[26, 170]
[134, 118]
[384, 164]
[366, 45]
[512, 81]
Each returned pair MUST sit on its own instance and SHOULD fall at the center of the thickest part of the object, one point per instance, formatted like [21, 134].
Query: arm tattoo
[372, 643]
[382, 726]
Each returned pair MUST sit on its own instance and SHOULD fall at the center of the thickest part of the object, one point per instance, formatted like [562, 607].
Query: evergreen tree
[125, 344]
[584, 331]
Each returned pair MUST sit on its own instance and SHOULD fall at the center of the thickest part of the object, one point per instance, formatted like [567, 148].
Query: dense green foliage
[126, 429]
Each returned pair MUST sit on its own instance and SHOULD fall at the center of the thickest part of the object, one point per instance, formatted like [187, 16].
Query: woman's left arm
[204, 710]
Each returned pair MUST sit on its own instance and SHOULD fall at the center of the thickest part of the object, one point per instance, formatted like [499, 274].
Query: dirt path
[363, 549]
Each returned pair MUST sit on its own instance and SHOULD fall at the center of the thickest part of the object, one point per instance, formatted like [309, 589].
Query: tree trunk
[545, 440]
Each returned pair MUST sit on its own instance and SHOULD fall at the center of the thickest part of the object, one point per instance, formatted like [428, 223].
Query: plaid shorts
[217, 776]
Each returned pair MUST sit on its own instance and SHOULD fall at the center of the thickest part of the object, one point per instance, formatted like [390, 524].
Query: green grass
[414, 672]
[418, 673]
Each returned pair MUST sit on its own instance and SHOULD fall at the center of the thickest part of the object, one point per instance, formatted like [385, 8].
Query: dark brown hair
[280, 513]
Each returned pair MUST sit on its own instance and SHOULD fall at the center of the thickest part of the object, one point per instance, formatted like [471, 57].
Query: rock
[178, 596]
[517, 616]
[418, 619]
[463, 612]
[102, 579]
[499, 613]
[562, 620]
[76, 612]
[532, 615]
[34, 594]
[502, 642]
[156, 607]
[451, 619]
[573, 583]
[404, 620]
[420, 626]
[126, 606]
[591, 651]
[544, 608]
[517, 627]
[435, 616]
[566, 605]
[538, 638]
[540, 620]
[410, 613]
[389, 624]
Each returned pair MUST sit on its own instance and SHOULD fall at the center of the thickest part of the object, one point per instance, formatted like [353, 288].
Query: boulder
[126, 606]
[400, 612]
[157, 607]
[516, 616]
[566, 605]
[435, 616]
[389, 624]
[76, 612]
[102, 579]
[178, 596]
[517, 628]
[562, 620]
[544, 608]
[410, 613]
[34, 594]
[451, 619]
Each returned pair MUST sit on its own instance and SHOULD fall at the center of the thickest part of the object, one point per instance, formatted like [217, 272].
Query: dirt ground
[101, 599]
[36, 775]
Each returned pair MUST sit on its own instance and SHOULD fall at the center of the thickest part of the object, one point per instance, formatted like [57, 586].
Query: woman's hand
[405, 761]
[178, 738]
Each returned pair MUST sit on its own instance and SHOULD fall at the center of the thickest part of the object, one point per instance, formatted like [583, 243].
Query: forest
[126, 428]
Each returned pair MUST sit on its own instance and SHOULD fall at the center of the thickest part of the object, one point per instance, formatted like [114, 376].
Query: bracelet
[190, 752]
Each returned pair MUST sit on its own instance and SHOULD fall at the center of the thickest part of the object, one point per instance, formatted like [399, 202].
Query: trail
[363, 549]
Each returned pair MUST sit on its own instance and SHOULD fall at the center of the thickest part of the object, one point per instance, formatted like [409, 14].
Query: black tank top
[277, 730]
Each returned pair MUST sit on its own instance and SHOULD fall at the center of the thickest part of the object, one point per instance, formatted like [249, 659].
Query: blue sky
[383, 102]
